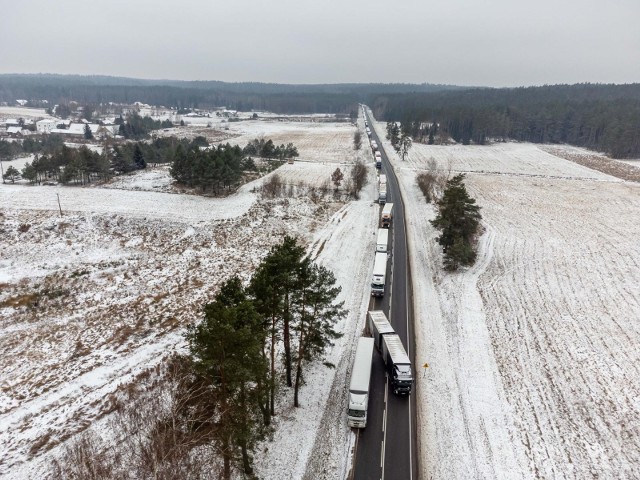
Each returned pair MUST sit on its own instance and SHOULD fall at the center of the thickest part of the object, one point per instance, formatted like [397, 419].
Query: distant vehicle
[374, 145]
[393, 353]
[368, 132]
[383, 240]
[382, 179]
[378, 160]
[382, 193]
[387, 215]
[379, 275]
[360, 383]
[290, 161]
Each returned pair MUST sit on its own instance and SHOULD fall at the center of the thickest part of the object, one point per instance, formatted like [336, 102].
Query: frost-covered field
[534, 365]
[23, 112]
[317, 142]
[90, 299]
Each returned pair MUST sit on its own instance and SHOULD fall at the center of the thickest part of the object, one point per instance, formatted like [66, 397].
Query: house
[46, 125]
[14, 132]
[12, 122]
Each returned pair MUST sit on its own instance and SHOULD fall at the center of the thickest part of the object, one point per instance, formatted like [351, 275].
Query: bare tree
[336, 177]
[358, 177]
[405, 145]
[357, 140]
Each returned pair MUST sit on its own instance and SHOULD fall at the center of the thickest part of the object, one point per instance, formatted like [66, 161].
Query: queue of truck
[380, 331]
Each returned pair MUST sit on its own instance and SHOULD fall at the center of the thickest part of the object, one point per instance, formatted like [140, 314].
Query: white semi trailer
[360, 382]
[387, 215]
[383, 240]
[393, 353]
[379, 274]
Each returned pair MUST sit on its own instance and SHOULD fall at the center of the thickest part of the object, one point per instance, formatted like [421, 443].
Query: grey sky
[463, 42]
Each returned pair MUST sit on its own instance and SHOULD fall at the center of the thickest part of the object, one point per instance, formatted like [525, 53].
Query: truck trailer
[387, 215]
[382, 193]
[383, 240]
[360, 382]
[398, 364]
[378, 325]
[379, 274]
[393, 353]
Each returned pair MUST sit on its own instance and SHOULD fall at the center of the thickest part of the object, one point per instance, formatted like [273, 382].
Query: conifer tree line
[605, 118]
[267, 149]
[135, 127]
[223, 167]
[83, 165]
[255, 340]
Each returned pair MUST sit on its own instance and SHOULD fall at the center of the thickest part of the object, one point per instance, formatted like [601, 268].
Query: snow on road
[533, 354]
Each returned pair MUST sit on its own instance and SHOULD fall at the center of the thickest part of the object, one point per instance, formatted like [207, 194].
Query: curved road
[386, 448]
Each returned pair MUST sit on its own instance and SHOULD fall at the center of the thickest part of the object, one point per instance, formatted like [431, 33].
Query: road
[386, 448]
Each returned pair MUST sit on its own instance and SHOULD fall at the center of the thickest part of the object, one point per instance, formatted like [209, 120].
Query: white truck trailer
[382, 193]
[378, 325]
[374, 145]
[383, 240]
[398, 364]
[360, 382]
[378, 158]
[393, 353]
[387, 215]
[379, 274]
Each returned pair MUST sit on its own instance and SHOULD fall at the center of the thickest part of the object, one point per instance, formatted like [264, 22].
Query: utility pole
[59, 203]
[2, 171]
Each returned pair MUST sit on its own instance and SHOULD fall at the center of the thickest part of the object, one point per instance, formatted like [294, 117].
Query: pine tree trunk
[287, 341]
[272, 379]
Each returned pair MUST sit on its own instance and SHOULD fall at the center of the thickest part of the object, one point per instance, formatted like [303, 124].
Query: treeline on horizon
[602, 117]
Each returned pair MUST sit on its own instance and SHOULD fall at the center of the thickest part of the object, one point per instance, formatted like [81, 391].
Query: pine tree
[29, 173]
[227, 348]
[12, 174]
[88, 135]
[317, 314]
[138, 157]
[458, 219]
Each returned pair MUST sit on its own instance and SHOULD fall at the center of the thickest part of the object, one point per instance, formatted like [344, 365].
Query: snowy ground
[90, 299]
[23, 112]
[533, 354]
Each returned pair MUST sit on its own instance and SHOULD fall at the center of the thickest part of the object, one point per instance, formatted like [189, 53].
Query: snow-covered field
[90, 299]
[533, 353]
[23, 112]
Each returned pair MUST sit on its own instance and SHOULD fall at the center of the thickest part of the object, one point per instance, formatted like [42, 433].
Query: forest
[602, 117]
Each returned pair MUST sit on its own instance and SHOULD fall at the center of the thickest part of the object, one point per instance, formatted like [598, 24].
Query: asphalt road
[386, 448]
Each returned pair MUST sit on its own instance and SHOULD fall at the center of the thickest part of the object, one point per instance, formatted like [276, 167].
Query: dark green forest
[603, 117]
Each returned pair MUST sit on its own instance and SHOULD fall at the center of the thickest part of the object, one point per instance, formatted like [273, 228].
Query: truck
[378, 158]
[374, 145]
[393, 353]
[387, 215]
[378, 326]
[383, 240]
[379, 275]
[382, 193]
[398, 364]
[360, 383]
[382, 179]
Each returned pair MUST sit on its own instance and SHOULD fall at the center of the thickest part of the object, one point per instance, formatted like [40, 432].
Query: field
[533, 352]
[92, 298]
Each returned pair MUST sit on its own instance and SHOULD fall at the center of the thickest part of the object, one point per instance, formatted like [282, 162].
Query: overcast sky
[463, 42]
